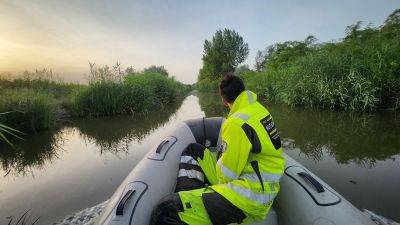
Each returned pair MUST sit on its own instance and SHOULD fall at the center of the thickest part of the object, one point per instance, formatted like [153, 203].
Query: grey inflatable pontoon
[304, 199]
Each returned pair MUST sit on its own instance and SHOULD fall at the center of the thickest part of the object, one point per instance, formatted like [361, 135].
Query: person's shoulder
[261, 107]
[233, 123]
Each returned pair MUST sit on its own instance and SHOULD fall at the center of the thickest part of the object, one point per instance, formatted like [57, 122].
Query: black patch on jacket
[166, 212]
[273, 134]
[253, 138]
[220, 210]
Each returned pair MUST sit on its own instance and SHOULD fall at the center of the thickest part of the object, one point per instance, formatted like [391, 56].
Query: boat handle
[313, 181]
[121, 204]
[159, 148]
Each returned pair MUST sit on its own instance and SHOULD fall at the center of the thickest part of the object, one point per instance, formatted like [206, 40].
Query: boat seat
[271, 219]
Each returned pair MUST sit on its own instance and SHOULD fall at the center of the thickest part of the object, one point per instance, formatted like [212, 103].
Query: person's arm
[235, 153]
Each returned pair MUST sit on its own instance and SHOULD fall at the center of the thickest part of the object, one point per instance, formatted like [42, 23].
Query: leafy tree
[156, 69]
[310, 40]
[280, 53]
[393, 18]
[355, 31]
[392, 22]
[222, 54]
[285, 52]
[242, 70]
[260, 61]
[263, 56]
[129, 70]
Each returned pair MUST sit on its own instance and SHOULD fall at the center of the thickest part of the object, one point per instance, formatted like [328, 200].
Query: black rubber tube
[312, 180]
[160, 146]
[121, 204]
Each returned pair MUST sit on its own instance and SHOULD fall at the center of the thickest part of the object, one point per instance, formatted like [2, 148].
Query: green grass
[36, 101]
[360, 75]
[29, 110]
[133, 93]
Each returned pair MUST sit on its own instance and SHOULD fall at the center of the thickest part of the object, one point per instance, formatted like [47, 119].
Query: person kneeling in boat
[243, 177]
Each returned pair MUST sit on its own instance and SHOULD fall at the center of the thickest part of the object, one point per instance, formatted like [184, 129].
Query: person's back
[250, 128]
[243, 178]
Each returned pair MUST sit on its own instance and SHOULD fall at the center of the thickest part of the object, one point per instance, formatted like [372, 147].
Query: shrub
[29, 110]
[135, 92]
[207, 85]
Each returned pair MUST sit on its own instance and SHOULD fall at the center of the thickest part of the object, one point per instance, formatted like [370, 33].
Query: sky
[65, 35]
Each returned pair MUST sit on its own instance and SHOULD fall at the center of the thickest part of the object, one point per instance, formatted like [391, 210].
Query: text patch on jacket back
[269, 126]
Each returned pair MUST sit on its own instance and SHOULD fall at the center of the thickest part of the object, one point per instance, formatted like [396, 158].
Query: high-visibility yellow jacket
[252, 163]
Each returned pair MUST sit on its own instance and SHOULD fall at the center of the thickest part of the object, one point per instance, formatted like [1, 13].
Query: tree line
[361, 71]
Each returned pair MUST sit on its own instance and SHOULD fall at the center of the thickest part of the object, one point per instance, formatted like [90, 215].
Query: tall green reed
[111, 92]
[31, 110]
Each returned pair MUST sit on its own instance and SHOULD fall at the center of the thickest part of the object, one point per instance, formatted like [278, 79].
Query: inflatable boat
[304, 199]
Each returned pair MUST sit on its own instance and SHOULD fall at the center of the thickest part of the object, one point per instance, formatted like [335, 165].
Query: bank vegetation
[36, 100]
[359, 72]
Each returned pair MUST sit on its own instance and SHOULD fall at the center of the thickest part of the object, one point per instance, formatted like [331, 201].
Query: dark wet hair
[230, 87]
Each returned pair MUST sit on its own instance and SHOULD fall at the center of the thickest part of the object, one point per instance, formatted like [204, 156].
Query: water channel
[78, 165]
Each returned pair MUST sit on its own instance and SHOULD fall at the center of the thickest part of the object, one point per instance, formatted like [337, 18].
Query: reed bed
[361, 74]
[36, 101]
[110, 93]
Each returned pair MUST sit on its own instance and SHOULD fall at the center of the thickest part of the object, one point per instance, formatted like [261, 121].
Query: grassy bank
[36, 101]
[354, 74]
[360, 72]
[136, 92]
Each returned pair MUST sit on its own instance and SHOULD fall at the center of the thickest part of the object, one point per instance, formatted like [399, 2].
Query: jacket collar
[244, 99]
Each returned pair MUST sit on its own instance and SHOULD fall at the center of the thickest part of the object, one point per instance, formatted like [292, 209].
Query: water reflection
[32, 152]
[112, 134]
[212, 105]
[88, 162]
[360, 138]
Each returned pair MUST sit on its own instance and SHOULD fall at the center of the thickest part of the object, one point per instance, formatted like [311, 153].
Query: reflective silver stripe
[191, 174]
[241, 116]
[255, 197]
[250, 96]
[226, 171]
[189, 160]
[266, 177]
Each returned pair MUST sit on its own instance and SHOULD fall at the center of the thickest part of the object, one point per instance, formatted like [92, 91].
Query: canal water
[80, 164]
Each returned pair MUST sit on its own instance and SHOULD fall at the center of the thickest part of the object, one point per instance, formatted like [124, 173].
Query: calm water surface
[61, 171]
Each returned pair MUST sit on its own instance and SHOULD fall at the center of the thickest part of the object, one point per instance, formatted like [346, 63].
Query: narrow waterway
[57, 172]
